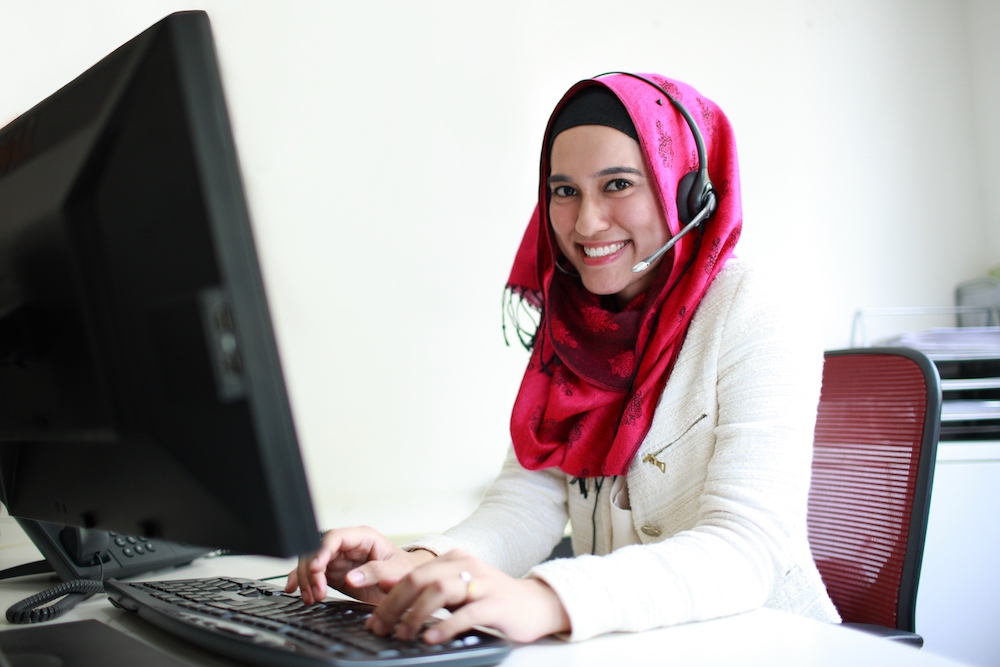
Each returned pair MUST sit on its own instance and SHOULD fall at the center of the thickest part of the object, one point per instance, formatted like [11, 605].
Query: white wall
[390, 155]
[983, 18]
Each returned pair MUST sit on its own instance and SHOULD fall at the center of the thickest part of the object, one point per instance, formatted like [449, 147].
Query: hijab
[596, 371]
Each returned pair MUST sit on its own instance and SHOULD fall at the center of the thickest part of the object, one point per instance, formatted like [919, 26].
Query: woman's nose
[590, 219]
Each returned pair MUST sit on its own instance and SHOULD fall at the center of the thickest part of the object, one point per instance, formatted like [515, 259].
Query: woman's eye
[563, 191]
[617, 184]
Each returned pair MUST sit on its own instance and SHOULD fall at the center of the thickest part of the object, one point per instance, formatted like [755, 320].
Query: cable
[30, 610]
[598, 483]
[37, 567]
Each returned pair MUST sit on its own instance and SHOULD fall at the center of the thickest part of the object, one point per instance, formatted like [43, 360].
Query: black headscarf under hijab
[593, 106]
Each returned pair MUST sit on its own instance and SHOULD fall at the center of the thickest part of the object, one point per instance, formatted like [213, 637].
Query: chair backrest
[873, 465]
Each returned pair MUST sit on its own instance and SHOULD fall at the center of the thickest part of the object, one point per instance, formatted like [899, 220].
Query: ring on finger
[470, 585]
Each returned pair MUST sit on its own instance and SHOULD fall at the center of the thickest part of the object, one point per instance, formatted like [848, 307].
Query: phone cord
[30, 610]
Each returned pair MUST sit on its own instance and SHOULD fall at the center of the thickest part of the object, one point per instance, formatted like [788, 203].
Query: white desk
[762, 637]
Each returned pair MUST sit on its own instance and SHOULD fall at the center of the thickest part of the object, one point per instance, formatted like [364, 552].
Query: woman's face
[604, 211]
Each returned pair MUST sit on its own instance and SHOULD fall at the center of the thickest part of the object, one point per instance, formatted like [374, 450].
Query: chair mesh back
[867, 449]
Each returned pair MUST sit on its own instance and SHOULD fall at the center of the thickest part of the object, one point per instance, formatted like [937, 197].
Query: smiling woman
[667, 410]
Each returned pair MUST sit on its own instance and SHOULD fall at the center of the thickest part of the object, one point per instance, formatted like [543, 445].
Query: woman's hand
[477, 594]
[357, 561]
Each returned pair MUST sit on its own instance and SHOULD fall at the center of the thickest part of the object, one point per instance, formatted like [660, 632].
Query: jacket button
[652, 531]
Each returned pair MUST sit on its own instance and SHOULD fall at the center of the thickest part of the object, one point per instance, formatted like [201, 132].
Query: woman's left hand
[477, 594]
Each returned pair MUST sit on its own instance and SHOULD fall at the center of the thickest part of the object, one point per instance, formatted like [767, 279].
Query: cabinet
[958, 600]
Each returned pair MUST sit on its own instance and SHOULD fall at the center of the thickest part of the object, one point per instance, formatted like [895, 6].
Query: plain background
[390, 153]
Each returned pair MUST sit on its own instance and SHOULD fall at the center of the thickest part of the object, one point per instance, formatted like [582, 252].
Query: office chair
[873, 465]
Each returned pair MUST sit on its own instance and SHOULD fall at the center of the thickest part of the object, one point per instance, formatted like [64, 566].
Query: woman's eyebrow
[618, 170]
[559, 178]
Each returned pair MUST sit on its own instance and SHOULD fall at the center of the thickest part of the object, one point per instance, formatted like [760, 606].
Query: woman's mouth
[598, 254]
[601, 251]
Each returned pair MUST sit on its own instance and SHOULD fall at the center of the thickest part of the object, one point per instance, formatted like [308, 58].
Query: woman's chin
[623, 287]
[603, 287]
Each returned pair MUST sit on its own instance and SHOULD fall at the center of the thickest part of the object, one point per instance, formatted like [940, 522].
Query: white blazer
[718, 489]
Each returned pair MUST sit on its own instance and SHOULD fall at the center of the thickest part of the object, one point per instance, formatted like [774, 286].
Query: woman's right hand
[360, 562]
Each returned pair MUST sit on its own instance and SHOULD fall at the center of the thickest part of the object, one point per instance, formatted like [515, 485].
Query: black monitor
[140, 385]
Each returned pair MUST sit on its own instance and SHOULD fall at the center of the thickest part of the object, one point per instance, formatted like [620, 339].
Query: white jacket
[718, 489]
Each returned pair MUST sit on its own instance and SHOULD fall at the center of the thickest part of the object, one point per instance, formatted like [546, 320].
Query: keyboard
[257, 623]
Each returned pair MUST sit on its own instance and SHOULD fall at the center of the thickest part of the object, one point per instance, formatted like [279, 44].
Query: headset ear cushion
[684, 212]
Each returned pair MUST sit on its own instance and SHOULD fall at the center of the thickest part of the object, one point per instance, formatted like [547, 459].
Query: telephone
[73, 553]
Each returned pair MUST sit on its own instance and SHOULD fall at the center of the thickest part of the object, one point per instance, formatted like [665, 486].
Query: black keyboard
[257, 623]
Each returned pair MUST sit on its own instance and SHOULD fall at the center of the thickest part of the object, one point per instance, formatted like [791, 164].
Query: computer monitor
[140, 384]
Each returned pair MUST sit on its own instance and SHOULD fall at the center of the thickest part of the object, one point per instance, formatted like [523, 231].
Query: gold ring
[469, 584]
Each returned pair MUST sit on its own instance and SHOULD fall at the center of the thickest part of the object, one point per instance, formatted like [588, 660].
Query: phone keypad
[131, 546]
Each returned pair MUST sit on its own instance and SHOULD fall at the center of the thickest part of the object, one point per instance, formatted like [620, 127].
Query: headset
[696, 200]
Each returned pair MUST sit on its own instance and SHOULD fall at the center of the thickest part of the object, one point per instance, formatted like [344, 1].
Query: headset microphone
[703, 214]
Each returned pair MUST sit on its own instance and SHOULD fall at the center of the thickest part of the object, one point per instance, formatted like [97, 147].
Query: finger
[317, 589]
[292, 582]
[344, 550]
[393, 570]
[461, 620]
[295, 577]
[303, 580]
[440, 578]
[310, 574]
[362, 543]
[385, 617]
[430, 600]
[340, 551]
[309, 578]
[383, 573]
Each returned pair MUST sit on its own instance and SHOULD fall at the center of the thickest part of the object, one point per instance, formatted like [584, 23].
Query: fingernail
[377, 626]
[356, 578]
[432, 636]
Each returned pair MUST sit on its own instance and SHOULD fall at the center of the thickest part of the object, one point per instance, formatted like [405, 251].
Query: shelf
[984, 451]
[958, 411]
[970, 384]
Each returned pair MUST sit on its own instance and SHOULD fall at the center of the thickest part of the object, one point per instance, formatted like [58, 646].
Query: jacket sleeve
[749, 531]
[521, 518]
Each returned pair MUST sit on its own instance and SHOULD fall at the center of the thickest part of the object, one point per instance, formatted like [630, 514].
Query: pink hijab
[596, 375]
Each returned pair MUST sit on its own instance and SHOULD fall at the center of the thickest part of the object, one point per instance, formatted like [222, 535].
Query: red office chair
[873, 464]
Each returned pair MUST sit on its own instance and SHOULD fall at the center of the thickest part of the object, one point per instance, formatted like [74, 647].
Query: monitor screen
[140, 383]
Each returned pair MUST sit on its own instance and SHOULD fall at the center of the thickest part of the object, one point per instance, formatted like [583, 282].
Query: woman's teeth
[601, 251]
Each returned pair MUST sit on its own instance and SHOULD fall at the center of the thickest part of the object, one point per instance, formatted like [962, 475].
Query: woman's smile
[594, 254]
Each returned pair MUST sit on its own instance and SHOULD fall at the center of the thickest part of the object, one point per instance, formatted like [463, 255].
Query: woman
[667, 412]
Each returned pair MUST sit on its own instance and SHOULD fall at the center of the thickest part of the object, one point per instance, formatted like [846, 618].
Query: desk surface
[761, 637]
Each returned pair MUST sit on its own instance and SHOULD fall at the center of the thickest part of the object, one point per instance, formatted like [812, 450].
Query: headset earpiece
[693, 196]
[684, 191]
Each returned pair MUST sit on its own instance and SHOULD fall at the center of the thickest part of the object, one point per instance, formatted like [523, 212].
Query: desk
[763, 637]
